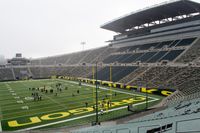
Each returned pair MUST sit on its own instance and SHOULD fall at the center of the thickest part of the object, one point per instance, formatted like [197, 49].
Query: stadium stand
[175, 118]
[188, 80]
[131, 49]
[21, 73]
[88, 56]
[6, 74]
[118, 72]
[158, 75]
[151, 52]
[48, 71]
[164, 59]
[93, 54]
[156, 48]
[127, 79]
[162, 43]
[191, 54]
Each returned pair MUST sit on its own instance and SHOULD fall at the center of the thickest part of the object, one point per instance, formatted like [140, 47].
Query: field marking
[44, 112]
[154, 99]
[1, 115]
[54, 101]
[0, 127]
[76, 118]
[35, 109]
[41, 93]
[90, 89]
[47, 96]
[103, 88]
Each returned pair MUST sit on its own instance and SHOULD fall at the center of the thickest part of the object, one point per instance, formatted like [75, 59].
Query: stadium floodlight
[83, 44]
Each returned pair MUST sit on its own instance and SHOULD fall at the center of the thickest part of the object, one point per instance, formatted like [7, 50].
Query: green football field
[29, 104]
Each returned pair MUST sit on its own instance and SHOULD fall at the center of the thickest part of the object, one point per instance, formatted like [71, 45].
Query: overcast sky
[40, 28]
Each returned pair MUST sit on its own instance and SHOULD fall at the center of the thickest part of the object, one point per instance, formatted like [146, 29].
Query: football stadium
[147, 80]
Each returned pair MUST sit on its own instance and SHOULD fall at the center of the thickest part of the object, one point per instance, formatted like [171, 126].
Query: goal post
[93, 88]
[110, 81]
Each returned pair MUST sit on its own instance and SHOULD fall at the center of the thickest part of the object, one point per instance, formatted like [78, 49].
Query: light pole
[83, 44]
[97, 117]
[146, 97]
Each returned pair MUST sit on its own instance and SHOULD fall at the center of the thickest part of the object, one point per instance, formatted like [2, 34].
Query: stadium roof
[151, 14]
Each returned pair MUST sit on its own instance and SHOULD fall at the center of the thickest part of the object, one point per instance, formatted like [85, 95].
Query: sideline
[0, 127]
[76, 118]
[103, 88]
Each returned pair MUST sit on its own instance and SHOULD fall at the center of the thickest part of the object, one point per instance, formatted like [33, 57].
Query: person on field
[86, 104]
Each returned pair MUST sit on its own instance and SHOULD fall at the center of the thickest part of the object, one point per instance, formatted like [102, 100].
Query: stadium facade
[157, 47]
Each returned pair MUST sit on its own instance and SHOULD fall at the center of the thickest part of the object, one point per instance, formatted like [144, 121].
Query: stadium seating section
[123, 63]
[179, 117]
[151, 53]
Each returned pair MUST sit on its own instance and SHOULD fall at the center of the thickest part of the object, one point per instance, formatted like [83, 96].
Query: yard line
[41, 110]
[76, 118]
[46, 111]
[1, 115]
[14, 106]
[36, 113]
[54, 101]
[0, 127]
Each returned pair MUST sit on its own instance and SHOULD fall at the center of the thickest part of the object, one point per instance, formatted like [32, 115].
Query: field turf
[19, 110]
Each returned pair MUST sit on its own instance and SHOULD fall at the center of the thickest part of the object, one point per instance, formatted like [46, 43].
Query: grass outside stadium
[47, 103]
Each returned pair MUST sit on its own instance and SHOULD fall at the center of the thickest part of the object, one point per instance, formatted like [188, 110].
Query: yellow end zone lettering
[81, 110]
[59, 115]
[53, 117]
[149, 90]
[14, 123]
[166, 93]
